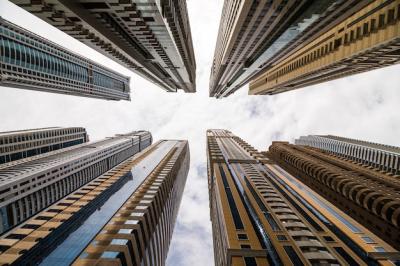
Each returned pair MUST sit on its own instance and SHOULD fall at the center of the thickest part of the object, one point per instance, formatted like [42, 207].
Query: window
[234, 211]
[281, 237]
[358, 33]
[18, 54]
[346, 256]
[23, 56]
[242, 236]
[59, 66]
[328, 239]
[293, 255]
[338, 42]
[250, 261]
[373, 25]
[53, 65]
[365, 29]
[391, 18]
[381, 22]
[367, 239]
[35, 59]
[29, 59]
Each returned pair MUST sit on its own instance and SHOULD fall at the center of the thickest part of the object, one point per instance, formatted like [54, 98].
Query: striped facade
[262, 215]
[30, 185]
[15, 145]
[150, 37]
[256, 35]
[29, 61]
[368, 195]
[140, 232]
[383, 157]
[362, 41]
[123, 217]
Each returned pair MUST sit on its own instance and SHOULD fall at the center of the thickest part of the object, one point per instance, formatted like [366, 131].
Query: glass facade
[25, 56]
[156, 43]
[77, 241]
[270, 49]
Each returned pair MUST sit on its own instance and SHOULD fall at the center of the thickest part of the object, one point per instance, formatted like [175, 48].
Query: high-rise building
[365, 40]
[262, 215]
[29, 185]
[126, 216]
[371, 196]
[283, 45]
[150, 37]
[253, 35]
[384, 157]
[29, 61]
[15, 145]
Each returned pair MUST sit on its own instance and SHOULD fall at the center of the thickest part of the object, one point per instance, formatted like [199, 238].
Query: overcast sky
[365, 106]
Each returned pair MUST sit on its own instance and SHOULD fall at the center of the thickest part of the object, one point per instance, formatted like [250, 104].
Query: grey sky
[364, 106]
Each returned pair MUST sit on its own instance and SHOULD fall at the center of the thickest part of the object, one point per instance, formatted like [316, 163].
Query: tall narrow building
[150, 37]
[368, 194]
[383, 157]
[29, 185]
[29, 61]
[283, 45]
[125, 216]
[262, 215]
[15, 145]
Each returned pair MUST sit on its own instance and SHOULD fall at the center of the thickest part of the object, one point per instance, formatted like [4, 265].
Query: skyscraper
[125, 216]
[151, 38]
[262, 215]
[365, 40]
[15, 145]
[369, 195]
[30, 185]
[282, 45]
[29, 61]
[383, 157]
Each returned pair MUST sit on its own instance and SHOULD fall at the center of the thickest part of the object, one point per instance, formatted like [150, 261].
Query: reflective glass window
[44, 62]
[17, 53]
[53, 65]
[59, 67]
[23, 55]
[12, 52]
[5, 50]
[73, 71]
[34, 58]
[39, 61]
[71, 68]
[28, 57]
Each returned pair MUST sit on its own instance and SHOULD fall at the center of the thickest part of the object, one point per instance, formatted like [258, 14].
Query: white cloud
[365, 106]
